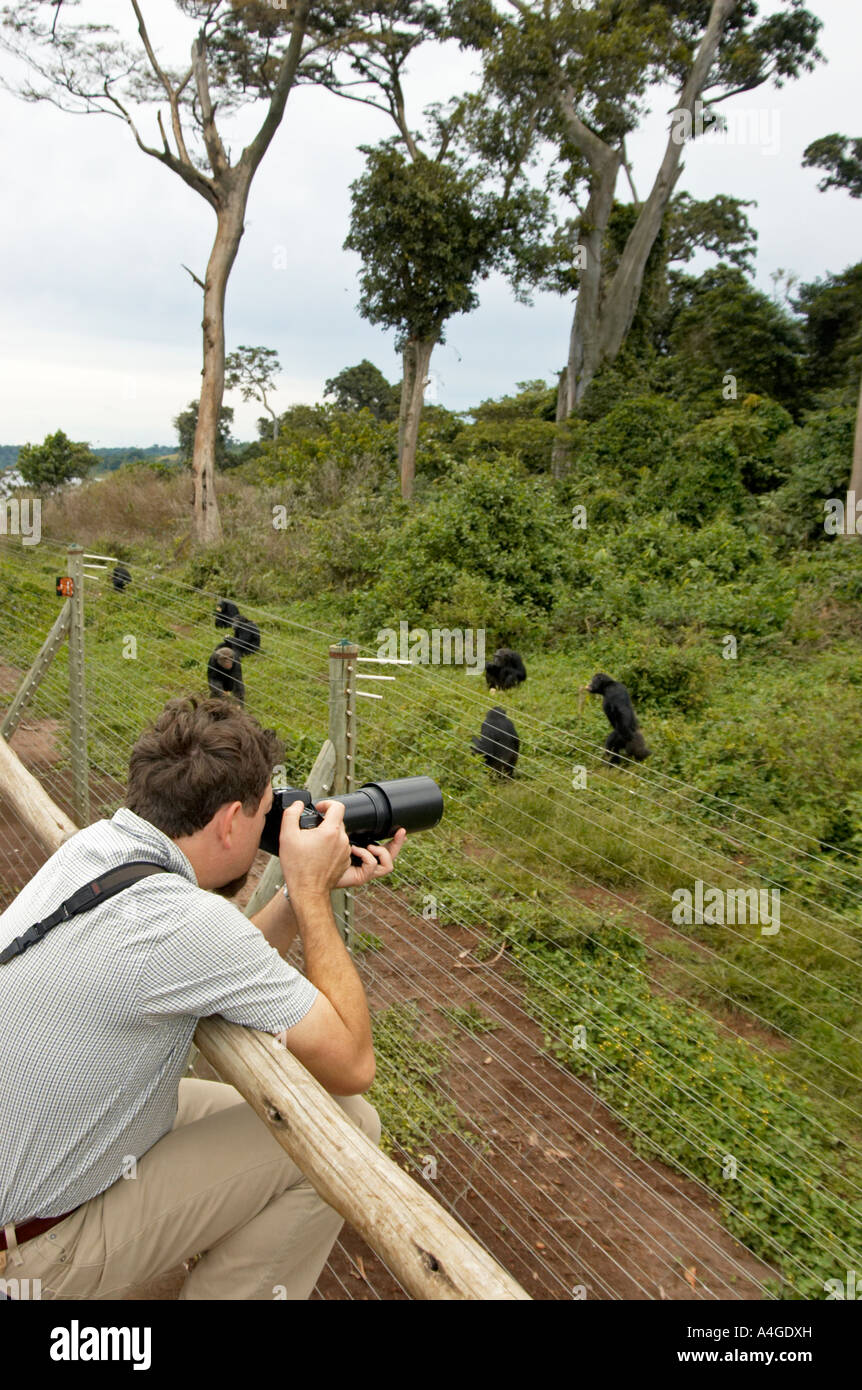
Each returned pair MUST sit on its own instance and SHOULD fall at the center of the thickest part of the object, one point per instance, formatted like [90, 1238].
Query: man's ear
[223, 821]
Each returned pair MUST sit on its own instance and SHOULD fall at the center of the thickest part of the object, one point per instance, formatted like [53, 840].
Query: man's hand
[377, 861]
[314, 861]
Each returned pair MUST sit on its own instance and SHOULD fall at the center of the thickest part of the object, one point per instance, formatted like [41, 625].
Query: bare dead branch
[196, 279]
[629, 175]
[187, 172]
[173, 94]
[212, 140]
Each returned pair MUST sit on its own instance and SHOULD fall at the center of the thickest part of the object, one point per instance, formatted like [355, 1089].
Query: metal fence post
[77, 689]
[342, 735]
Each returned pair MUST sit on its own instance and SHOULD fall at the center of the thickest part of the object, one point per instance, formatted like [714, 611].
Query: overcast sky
[101, 325]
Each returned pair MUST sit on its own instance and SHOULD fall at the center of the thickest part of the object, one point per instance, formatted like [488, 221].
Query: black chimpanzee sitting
[498, 742]
[226, 613]
[224, 673]
[505, 671]
[120, 577]
[246, 635]
[625, 736]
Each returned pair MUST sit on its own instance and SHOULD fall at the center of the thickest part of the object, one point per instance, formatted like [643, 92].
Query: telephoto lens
[371, 814]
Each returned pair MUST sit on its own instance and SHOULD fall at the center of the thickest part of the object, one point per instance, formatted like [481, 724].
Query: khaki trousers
[218, 1185]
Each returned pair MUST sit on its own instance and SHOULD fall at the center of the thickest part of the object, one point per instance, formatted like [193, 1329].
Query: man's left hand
[377, 861]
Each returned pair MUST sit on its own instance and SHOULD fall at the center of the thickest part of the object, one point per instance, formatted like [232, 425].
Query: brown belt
[28, 1230]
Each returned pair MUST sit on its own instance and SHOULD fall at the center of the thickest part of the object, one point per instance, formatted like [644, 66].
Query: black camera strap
[98, 891]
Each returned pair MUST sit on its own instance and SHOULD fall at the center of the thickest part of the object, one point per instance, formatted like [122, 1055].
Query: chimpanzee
[625, 736]
[246, 635]
[226, 613]
[120, 577]
[498, 742]
[224, 673]
[505, 671]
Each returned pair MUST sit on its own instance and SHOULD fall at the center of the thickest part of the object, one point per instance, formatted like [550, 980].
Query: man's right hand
[334, 1039]
[313, 861]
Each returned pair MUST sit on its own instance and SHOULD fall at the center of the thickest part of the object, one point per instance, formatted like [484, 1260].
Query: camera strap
[93, 893]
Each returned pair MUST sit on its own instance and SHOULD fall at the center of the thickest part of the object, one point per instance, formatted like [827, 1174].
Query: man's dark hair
[198, 755]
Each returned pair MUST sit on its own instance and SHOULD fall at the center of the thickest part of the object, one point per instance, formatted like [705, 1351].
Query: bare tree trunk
[208, 528]
[604, 313]
[416, 356]
[584, 341]
[625, 290]
[87, 78]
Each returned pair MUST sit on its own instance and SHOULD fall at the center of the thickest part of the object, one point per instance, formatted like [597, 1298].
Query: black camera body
[371, 814]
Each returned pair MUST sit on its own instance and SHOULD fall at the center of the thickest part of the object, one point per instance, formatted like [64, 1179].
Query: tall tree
[243, 51]
[588, 68]
[253, 370]
[841, 157]
[426, 234]
[428, 220]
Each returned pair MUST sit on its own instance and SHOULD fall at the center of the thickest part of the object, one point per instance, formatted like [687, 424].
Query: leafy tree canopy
[54, 462]
[186, 424]
[535, 400]
[841, 158]
[722, 325]
[253, 370]
[832, 308]
[427, 233]
[606, 55]
[364, 387]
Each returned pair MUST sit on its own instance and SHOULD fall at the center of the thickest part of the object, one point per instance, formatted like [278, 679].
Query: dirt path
[559, 1198]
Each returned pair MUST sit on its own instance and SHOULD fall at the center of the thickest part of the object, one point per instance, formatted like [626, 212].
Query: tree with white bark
[587, 70]
[242, 52]
[429, 219]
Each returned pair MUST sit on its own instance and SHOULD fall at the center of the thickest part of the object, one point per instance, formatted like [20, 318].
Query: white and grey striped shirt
[96, 1020]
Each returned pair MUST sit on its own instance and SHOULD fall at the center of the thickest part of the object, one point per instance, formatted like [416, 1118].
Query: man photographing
[114, 1166]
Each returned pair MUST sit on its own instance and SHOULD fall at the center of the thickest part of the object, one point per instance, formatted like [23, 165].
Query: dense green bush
[530, 441]
[722, 325]
[319, 447]
[670, 678]
[816, 461]
[483, 549]
[722, 462]
[634, 435]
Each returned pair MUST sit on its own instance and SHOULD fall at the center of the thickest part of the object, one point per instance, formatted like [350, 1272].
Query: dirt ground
[550, 1186]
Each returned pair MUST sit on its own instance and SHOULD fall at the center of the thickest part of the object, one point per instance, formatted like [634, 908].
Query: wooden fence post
[342, 736]
[31, 681]
[78, 689]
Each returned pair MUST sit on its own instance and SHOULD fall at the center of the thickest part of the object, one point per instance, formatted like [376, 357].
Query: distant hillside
[114, 458]
[111, 458]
